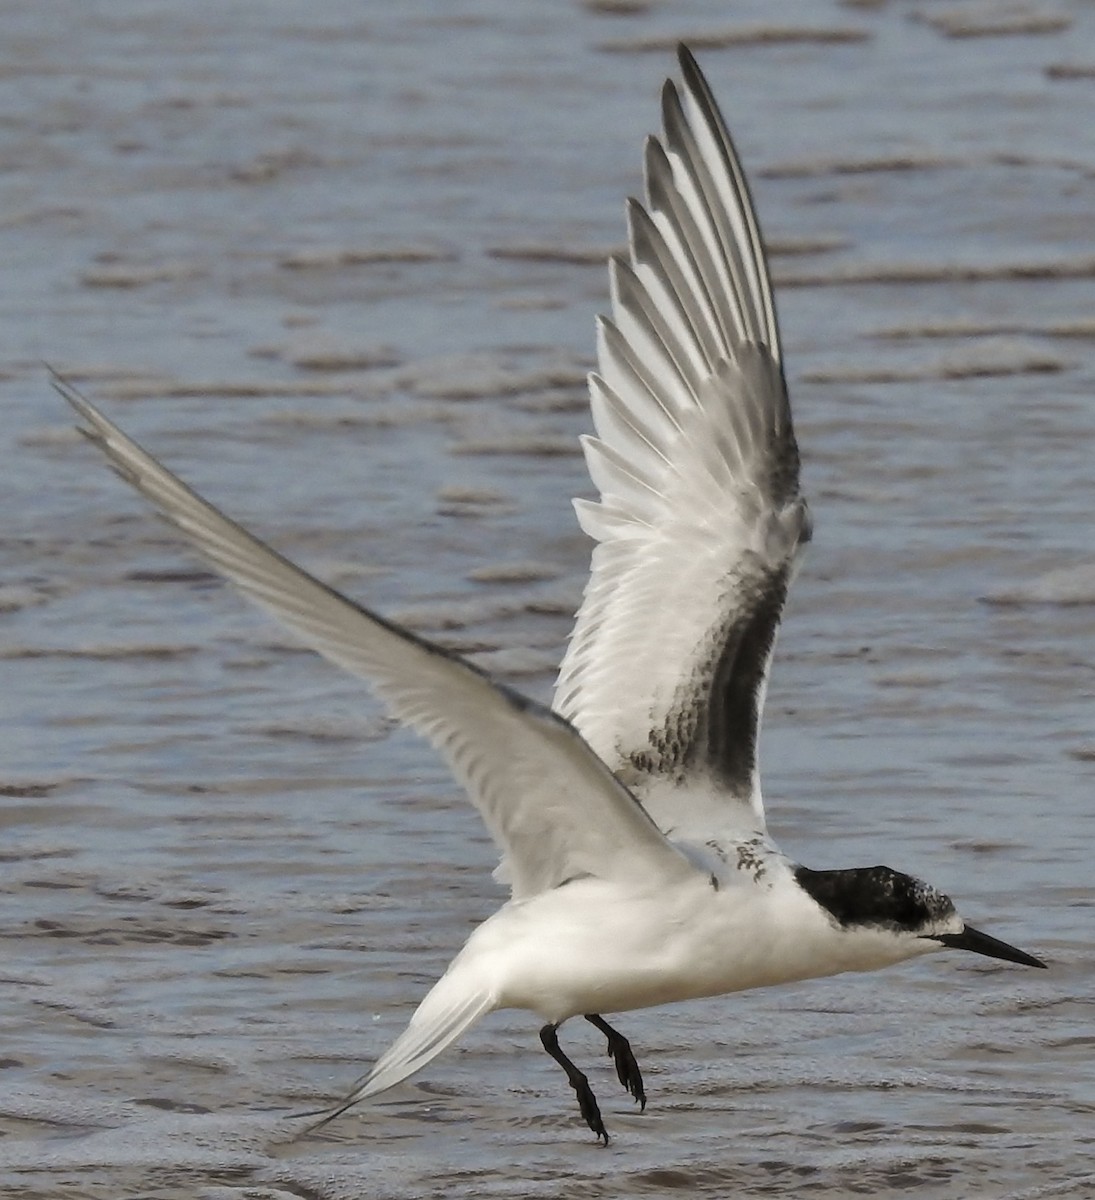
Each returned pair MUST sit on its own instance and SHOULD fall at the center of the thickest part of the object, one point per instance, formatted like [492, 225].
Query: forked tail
[448, 1009]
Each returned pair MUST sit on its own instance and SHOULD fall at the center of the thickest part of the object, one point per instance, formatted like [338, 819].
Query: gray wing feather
[553, 808]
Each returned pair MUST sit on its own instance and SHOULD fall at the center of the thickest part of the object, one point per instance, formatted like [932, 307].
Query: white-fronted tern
[629, 816]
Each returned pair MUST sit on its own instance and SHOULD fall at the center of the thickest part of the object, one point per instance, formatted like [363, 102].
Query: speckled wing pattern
[699, 518]
[553, 808]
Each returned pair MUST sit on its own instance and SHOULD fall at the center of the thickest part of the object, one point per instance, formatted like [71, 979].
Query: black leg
[627, 1069]
[587, 1102]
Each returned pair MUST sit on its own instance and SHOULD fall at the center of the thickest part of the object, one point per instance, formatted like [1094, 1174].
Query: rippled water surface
[338, 265]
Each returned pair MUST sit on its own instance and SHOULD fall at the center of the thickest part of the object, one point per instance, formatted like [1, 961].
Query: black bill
[981, 943]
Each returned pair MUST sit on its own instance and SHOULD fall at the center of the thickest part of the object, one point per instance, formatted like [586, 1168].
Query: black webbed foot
[627, 1068]
[587, 1102]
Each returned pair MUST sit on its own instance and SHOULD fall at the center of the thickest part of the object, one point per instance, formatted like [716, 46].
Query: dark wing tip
[695, 81]
[687, 60]
[670, 96]
[91, 428]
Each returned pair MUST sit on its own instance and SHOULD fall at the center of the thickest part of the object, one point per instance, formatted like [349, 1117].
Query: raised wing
[699, 517]
[553, 808]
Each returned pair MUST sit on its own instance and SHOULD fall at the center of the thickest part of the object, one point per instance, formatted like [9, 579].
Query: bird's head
[921, 918]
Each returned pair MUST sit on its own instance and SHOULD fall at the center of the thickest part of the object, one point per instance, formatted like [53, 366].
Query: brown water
[338, 265]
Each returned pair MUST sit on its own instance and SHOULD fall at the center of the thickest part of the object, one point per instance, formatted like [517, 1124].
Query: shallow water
[338, 265]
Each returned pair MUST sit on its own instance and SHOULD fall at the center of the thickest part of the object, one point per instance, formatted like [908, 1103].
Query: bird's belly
[598, 951]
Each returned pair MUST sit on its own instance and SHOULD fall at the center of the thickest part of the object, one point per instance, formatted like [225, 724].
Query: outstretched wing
[699, 518]
[553, 808]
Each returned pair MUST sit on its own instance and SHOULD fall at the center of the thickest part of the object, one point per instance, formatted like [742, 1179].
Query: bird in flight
[628, 815]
